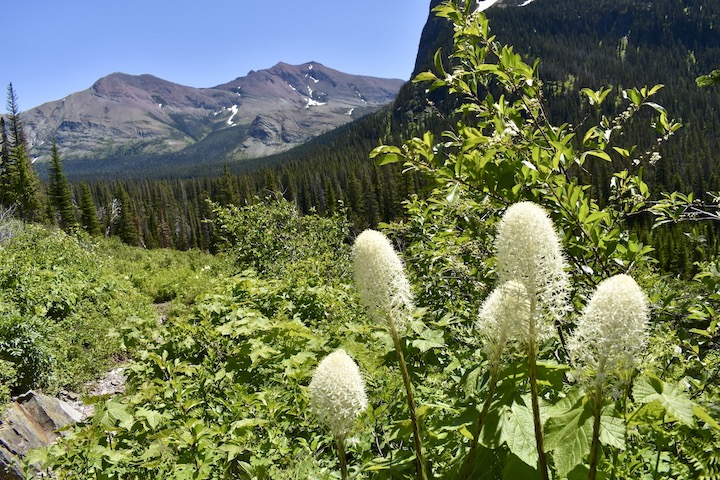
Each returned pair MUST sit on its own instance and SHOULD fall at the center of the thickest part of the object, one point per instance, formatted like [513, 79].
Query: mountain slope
[270, 110]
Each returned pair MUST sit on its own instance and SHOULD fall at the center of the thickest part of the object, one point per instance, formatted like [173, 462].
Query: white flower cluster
[611, 333]
[338, 392]
[505, 313]
[529, 252]
[380, 279]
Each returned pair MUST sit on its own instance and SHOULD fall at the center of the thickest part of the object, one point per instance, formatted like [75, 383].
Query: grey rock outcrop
[32, 421]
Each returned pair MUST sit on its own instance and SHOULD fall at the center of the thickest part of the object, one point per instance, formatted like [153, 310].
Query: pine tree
[25, 188]
[60, 196]
[17, 136]
[127, 227]
[88, 213]
[228, 189]
[4, 162]
[23, 185]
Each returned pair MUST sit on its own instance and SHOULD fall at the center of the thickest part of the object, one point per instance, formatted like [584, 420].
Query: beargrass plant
[505, 311]
[529, 252]
[385, 292]
[606, 345]
[338, 398]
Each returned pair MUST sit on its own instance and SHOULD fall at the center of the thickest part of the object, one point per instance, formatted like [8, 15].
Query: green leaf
[388, 158]
[425, 77]
[518, 432]
[703, 415]
[153, 417]
[612, 431]
[115, 411]
[599, 154]
[651, 389]
[429, 339]
[569, 437]
[516, 469]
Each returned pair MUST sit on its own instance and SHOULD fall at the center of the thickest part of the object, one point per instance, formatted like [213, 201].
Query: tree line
[613, 44]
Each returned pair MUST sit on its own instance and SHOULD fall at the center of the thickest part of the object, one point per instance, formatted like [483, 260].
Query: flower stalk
[340, 444]
[477, 431]
[385, 292]
[417, 439]
[338, 397]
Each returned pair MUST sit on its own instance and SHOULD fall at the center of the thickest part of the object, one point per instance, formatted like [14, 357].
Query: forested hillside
[579, 44]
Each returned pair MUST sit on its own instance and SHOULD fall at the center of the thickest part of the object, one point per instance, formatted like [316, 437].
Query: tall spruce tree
[127, 224]
[59, 194]
[88, 213]
[17, 136]
[23, 187]
[4, 161]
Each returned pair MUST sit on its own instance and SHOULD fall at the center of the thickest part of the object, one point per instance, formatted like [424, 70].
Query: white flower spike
[505, 312]
[380, 279]
[529, 252]
[338, 392]
[611, 332]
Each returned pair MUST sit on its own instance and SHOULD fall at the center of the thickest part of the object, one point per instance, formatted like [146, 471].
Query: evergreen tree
[4, 162]
[25, 188]
[60, 196]
[17, 137]
[88, 214]
[228, 189]
[127, 228]
[23, 185]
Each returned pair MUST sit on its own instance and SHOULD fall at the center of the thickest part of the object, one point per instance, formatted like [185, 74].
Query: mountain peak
[277, 107]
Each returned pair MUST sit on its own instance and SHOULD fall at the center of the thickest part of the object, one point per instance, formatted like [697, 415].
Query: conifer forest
[511, 272]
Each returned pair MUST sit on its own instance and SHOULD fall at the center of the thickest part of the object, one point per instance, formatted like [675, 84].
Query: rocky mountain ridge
[270, 110]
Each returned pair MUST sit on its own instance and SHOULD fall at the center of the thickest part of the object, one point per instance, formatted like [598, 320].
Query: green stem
[470, 460]
[595, 447]
[340, 443]
[542, 460]
[419, 460]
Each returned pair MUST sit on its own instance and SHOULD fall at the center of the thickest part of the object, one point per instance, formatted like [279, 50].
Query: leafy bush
[27, 360]
[57, 304]
[273, 238]
[165, 275]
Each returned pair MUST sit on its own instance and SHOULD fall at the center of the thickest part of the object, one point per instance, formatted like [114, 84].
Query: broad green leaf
[650, 389]
[518, 432]
[115, 411]
[568, 437]
[612, 431]
[516, 469]
[153, 417]
[581, 472]
[429, 339]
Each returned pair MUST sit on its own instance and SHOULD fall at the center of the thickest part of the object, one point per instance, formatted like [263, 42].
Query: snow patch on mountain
[483, 4]
[234, 110]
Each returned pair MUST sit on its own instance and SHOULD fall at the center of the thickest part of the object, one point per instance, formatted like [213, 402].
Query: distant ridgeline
[585, 43]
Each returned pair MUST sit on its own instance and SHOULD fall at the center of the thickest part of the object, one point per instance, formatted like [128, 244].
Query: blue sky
[61, 47]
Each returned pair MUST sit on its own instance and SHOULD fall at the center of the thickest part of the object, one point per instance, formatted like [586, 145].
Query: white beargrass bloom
[611, 333]
[529, 251]
[338, 392]
[505, 312]
[380, 279]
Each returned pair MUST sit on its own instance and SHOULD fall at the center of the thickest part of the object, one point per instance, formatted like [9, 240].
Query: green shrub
[58, 303]
[273, 238]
